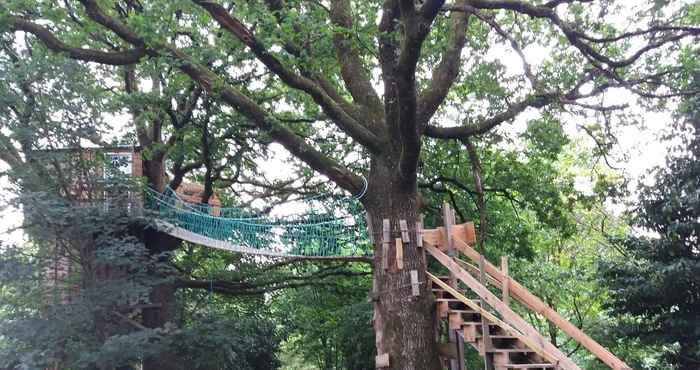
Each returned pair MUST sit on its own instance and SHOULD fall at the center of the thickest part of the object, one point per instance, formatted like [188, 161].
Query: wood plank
[419, 233]
[454, 320]
[506, 281]
[381, 361]
[530, 300]
[403, 226]
[486, 343]
[386, 229]
[399, 254]
[447, 221]
[415, 287]
[499, 306]
[494, 320]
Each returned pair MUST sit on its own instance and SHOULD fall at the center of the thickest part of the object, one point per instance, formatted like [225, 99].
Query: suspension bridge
[327, 226]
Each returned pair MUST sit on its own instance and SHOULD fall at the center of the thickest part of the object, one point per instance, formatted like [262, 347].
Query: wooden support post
[506, 280]
[399, 254]
[460, 350]
[454, 322]
[403, 225]
[386, 228]
[448, 221]
[486, 341]
[415, 286]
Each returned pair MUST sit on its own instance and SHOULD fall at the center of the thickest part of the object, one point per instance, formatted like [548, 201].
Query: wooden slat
[486, 343]
[499, 306]
[381, 361]
[399, 254]
[533, 302]
[403, 226]
[495, 320]
[447, 221]
[386, 228]
[419, 234]
[506, 281]
[415, 287]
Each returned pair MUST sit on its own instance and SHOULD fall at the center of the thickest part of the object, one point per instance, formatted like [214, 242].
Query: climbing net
[326, 226]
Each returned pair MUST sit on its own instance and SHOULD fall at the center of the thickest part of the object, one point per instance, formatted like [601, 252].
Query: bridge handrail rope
[331, 228]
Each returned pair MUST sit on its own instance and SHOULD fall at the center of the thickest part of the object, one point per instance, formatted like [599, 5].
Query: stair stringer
[564, 362]
[494, 319]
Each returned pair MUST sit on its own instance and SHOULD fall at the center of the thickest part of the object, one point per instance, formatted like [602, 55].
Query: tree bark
[162, 296]
[403, 323]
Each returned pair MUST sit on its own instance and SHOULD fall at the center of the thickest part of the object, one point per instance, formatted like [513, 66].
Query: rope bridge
[329, 227]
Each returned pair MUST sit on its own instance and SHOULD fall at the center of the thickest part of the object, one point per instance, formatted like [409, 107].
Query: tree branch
[446, 72]
[334, 111]
[575, 37]
[459, 132]
[355, 76]
[116, 58]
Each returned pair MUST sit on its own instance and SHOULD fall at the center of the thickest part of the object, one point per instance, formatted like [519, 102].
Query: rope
[330, 226]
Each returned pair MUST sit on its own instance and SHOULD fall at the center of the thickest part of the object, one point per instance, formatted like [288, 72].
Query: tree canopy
[407, 103]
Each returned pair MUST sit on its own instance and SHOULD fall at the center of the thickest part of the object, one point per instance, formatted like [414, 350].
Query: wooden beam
[386, 229]
[419, 233]
[403, 226]
[448, 222]
[530, 300]
[499, 306]
[506, 280]
[415, 286]
[381, 361]
[399, 254]
[493, 318]
[486, 343]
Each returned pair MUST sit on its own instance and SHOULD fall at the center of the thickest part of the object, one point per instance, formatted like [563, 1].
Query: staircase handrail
[492, 318]
[506, 312]
[524, 296]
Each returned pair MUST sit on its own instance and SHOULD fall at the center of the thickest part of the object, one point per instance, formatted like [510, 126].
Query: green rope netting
[326, 226]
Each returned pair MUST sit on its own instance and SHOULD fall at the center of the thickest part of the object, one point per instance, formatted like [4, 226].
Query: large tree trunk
[162, 296]
[403, 324]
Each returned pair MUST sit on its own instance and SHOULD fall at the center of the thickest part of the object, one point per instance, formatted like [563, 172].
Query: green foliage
[655, 290]
[329, 325]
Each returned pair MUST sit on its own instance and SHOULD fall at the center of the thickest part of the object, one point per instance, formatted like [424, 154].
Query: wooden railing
[460, 239]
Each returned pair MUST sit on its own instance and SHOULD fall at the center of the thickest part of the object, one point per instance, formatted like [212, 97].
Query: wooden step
[511, 356]
[525, 366]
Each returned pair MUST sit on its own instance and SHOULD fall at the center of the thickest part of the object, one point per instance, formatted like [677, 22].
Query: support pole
[506, 280]
[486, 343]
[448, 221]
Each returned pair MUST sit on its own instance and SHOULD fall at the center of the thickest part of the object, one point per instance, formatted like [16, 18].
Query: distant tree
[656, 288]
[328, 325]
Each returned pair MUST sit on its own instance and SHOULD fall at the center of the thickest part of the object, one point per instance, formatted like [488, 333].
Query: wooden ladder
[485, 321]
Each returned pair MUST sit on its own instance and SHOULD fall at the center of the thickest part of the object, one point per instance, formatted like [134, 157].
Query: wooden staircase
[505, 350]
[471, 315]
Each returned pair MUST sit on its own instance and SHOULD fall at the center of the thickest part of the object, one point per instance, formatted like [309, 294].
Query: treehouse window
[119, 163]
